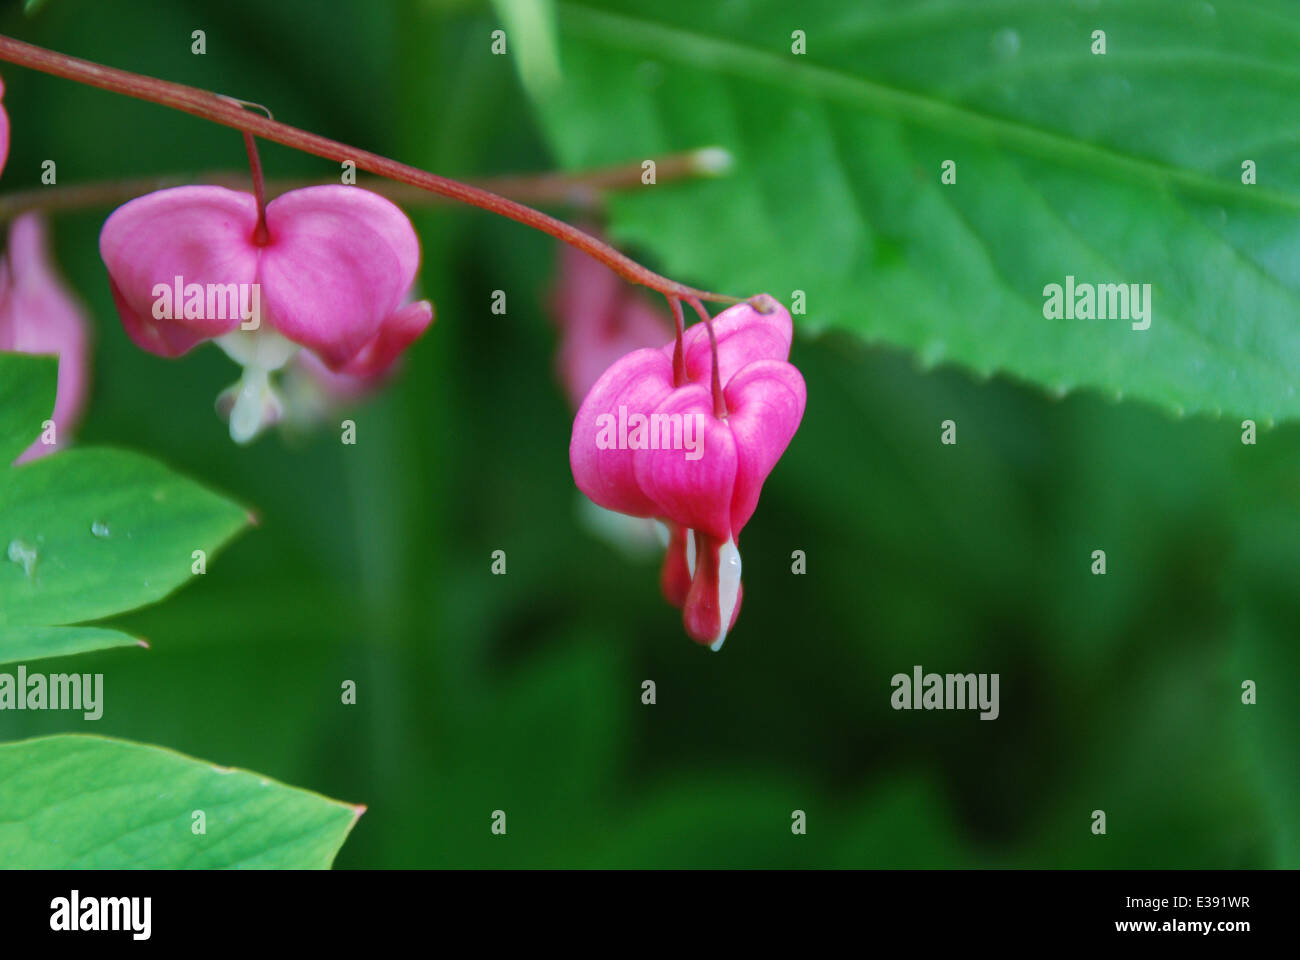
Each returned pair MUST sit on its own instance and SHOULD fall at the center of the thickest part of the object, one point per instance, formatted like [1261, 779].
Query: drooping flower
[38, 314]
[328, 270]
[650, 444]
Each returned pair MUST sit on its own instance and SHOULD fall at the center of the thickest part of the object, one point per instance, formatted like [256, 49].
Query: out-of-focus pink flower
[647, 446]
[4, 130]
[332, 275]
[600, 318]
[38, 314]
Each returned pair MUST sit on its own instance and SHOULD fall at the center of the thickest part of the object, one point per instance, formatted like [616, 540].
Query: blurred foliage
[1121, 164]
[522, 693]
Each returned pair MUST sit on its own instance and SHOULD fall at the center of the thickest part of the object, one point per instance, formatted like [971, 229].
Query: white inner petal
[262, 347]
[252, 398]
[661, 531]
[728, 589]
[690, 552]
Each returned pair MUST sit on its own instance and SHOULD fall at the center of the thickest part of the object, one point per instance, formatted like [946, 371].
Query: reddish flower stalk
[679, 357]
[219, 109]
[260, 235]
[719, 401]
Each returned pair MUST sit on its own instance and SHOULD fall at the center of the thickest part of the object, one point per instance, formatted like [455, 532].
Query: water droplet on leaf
[23, 554]
[1006, 43]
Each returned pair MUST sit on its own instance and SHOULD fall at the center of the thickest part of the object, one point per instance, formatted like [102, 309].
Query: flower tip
[712, 161]
[764, 303]
[250, 406]
[713, 603]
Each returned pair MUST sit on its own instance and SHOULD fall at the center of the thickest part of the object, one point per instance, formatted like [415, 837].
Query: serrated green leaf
[94, 802]
[1123, 167]
[93, 532]
[27, 387]
[37, 643]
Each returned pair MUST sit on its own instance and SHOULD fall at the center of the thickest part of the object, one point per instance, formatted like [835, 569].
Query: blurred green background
[523, 692]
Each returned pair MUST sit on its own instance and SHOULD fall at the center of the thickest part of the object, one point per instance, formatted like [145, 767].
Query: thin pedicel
[583, 189]
[223, 110]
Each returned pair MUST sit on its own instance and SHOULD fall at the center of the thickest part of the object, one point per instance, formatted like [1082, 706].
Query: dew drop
[100, 529]
[1006, 43]
[23, 554]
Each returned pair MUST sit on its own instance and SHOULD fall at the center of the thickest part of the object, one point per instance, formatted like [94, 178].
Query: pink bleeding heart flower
[647, 445]
[328, 271]
[739, 340]
[38, 314]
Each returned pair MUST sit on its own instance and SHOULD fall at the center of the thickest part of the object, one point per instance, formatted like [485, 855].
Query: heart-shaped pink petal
[766, 402]
[744, 335]
[599, 451]
[690, 480]
[338, 262]
[201, 234]
[397, 332]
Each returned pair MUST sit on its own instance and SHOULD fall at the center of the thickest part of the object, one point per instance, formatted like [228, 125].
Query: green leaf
[32, 7]
[37, 643]
[1117, 168]
[95, 532]
[27, 386]
[94, 802]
